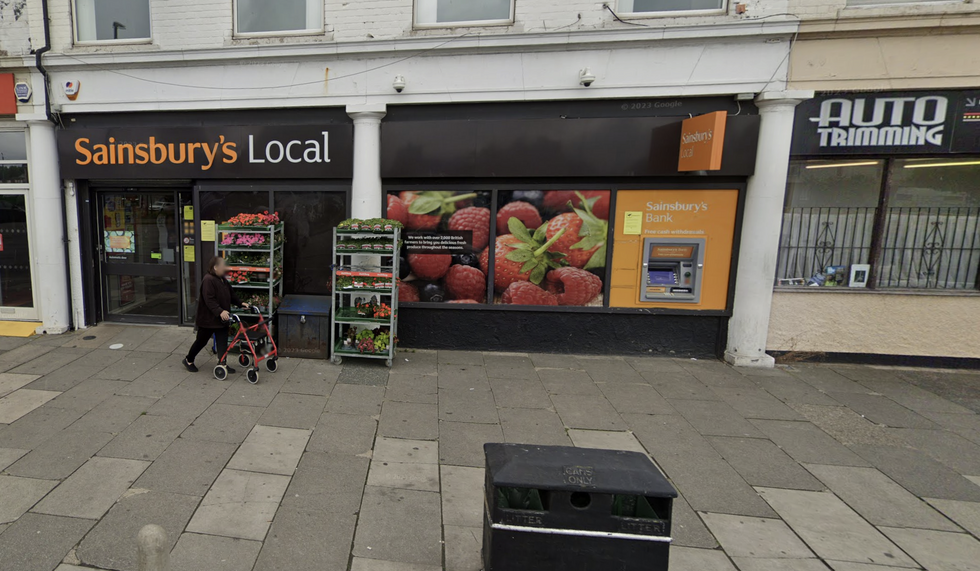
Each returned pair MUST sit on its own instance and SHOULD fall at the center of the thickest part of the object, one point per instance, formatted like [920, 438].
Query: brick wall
[15, 33]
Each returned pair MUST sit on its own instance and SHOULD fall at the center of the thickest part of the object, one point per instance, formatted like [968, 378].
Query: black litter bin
[558, 508]
[304, 326]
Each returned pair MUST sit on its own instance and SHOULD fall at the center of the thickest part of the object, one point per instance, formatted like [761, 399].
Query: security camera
[585, 77]
[399, 83]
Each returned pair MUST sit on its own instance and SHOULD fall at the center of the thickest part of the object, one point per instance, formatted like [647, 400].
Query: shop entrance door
[139, 254]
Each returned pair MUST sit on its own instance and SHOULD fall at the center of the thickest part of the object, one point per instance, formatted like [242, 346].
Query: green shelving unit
[261, 259]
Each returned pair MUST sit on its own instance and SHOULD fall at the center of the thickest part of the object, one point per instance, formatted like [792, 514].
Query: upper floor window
[13, 157]
[463, 12]
[271, 17]
[112, 20]
[669, 6]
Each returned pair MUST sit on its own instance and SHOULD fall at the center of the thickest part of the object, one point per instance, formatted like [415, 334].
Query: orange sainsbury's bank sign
[207, 152]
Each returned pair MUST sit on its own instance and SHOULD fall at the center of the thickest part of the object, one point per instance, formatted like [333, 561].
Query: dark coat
[216, 296]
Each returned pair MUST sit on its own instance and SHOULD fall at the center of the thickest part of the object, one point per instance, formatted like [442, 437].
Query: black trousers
[204, 336]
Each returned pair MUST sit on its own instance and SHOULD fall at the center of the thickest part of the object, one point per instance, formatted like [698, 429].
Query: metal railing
[932, 248]
[816, 237]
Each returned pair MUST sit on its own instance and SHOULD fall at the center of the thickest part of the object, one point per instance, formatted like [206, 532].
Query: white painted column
[748, 327]
[366, 196]
[48, 232]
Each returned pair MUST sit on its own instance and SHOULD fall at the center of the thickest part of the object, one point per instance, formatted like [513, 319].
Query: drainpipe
[39, 64]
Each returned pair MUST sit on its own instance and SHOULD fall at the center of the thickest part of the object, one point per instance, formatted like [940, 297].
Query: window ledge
[263, 39]
[866, 291]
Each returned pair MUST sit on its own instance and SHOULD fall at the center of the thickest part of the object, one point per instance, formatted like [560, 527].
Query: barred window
[914, 222]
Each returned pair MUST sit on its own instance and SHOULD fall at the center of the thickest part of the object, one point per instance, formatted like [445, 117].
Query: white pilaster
[366, 186]
[761, 222]
[48, 232]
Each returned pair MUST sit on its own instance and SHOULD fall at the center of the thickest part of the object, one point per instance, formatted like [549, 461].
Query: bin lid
[566, 468]
[294, 304]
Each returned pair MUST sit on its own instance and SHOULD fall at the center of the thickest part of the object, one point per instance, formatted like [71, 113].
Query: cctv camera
[399, 83]
[585, 77]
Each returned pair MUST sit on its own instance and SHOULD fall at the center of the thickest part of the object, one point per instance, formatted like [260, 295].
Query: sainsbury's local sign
[207, 152]
[888, 123]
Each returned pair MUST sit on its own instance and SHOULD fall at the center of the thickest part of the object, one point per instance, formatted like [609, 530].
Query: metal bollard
[152, 549]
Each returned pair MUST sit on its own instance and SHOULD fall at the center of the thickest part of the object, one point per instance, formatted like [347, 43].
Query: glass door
[139, 255]
[16, 281]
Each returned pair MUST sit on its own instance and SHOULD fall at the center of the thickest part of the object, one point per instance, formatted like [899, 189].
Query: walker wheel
[245, 360]
[337, 360]
[252, 375]
[271, 364]
[220, 372]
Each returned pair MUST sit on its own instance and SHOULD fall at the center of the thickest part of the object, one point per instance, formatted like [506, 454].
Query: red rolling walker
[250, 340]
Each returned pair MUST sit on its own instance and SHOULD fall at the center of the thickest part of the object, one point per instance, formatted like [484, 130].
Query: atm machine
[672, 269]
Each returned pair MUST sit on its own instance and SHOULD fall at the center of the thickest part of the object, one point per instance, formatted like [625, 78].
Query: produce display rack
[366, 261]
[272, 240]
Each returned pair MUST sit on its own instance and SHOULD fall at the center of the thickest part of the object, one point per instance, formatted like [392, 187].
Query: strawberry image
[601, 206]
[559, 199]
[426, 209]
[407, 292]
[429, 266]
[584, 238]
[397, 209]
[523, 211]
[466, 282]
[526, 293]
[573, 286]
[476, 220]
[521, 256]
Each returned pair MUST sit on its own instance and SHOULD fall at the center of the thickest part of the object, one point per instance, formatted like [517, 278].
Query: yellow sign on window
[632, 222]
[207, 231]
[188, 213]
[189, 254]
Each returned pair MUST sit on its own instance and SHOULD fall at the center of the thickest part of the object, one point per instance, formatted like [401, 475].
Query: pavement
[326, 467]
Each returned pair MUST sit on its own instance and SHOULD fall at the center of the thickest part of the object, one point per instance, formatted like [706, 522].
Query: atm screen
[662, 277]
[671, 252]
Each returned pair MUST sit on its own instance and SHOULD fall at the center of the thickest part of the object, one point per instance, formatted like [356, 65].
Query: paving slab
[749, 564]
[605, 440]
[754, 402]
[316, 378]
[794, 390]
[343, 434]
[808, 444]
[411, 387]
[195, 552]
[62, 380]
[848, 566]
[654, 364]
[742, 536]
[164, 340]
[918, 473]
[92, 489]
[700, 559]
[37, 426]
[634, 397]
[828, 380]
[38, 542]
[762, 463]
[687, 528]
[399, 525]
[60, 455]
[327, 482]
[17, 495]
[365, 372]
[938, 550]
[239, 504]
[364, 564]
[713, 418]
[114, 414]
[271, 450]
[847, 426]
[415, 361]
[50, 361]
[464, 405]
[223, 423]
[22, 401]
[966, 514]
[294, 411]
[307, 539]
[464, 548]
[20, 355]
[463, 377]
[355, 399]
[879, 499]
[461, 443]
[519, 393]
[707, 482]
[88, 394]
[915, 398]
[111, 543]
[130, 336]
[554, 361]
[861, 373]
[10, 455]
[568, 382]
[133, 365]
[152, 385]
[187, 467]
[462, 496]
[461, 357]
[966, 425]
[679, 386]
[10, 382]
[409, 420]
[510, 367]
[424, 477]
[609, 369]
[146, 438]
[951, 449]
[533, 426]
[189, 399]
[406, 451]
[832, 529]
[883, 410]
[243, 393]
[593, 413]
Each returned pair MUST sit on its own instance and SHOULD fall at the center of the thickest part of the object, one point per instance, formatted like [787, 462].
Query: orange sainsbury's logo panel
[702, 141]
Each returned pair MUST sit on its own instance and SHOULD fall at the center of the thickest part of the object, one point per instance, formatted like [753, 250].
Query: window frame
[876, 248]
[674, 13]
[236, 34]
[96, 42]
[18, 186]
[462, 23]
